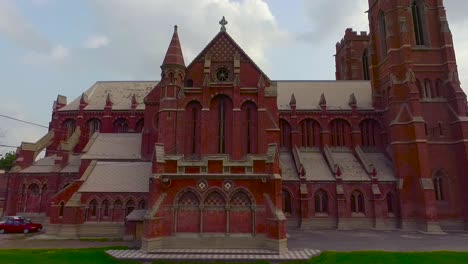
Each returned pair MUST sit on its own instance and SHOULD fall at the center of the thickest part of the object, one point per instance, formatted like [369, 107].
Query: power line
[23, 121]
[7, 146]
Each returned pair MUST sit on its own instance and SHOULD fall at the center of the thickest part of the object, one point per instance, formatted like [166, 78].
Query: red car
[18, 224]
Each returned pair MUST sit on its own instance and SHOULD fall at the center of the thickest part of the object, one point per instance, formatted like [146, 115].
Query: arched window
[223, 108]
[287, 207]
[129, 207]
[189, 83]
[438, 188]
[285, 128]
[321, 202]
[390, 203]
[357, 202]
[94, 125]
[139, 126]
[340, 133]
[69, 127]
[418, 22]
[310, 130]
[370, 130]
[365, 65]
[33, 189]
[118, 204]
[438, 90]
[249, 112]
[142, 204]
[105, 206]
[62, 205]
[193, 128]
[427, 88]
[121, 125]
[93, 208]
[383, 34]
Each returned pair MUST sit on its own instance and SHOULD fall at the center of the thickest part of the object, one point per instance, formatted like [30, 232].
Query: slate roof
[47, 164]
[121, 95]
[111, 146]
[288, 170]
[128, 177]
[351, 168]
[337, 93]
[383, 166]
[316, 166]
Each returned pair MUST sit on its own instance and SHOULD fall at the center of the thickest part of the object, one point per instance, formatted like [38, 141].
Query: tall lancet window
[365, 65]
[249, 127]
[221, 126]
[383, 34]
[418, 22]
[194, 129]
[192, 134]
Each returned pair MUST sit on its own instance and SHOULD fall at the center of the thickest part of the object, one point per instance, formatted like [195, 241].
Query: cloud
[326, 20]
[141, 30]
[57, 54]
[12, 133]
[96, 42]
[15, 27]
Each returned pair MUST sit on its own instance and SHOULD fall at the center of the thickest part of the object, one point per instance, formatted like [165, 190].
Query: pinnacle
[174, 54]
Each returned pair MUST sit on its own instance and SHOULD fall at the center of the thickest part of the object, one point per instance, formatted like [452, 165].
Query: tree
[7, 160]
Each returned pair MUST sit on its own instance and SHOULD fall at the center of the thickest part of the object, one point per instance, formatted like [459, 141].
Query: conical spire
[174, 54]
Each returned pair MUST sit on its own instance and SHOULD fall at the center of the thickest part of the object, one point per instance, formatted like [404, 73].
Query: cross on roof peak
[223, 24]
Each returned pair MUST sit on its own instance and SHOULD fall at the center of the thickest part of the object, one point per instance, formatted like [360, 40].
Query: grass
[53, 256]
[380, 257]
[97, 255]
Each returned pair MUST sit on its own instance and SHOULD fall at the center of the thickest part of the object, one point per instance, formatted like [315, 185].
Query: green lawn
[53, 256]
[97, 255]
[380, 257]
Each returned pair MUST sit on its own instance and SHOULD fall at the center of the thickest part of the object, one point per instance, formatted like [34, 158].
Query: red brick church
[217, 154]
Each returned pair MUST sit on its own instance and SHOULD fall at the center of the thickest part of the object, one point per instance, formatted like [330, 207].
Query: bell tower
[415, 83]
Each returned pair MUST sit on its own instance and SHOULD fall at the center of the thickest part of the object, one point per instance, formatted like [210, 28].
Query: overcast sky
[50, 47]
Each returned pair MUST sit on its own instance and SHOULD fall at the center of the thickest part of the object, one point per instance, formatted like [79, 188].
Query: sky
[51, 47]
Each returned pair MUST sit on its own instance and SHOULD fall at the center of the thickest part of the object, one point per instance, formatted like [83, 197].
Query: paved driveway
[355, 240]
[323, 240]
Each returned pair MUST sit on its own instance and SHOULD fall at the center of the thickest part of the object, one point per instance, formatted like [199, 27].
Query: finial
[223, 24]
[322, 101]
[352, 100]
[292, 102]
[175, 28]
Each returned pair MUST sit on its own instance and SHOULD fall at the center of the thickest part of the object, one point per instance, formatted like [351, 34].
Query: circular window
[222, 74]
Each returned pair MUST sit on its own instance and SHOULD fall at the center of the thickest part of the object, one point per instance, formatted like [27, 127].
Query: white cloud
[12, 132]
[15, 27]
[141, 30]
[96, 42]
[57, 54]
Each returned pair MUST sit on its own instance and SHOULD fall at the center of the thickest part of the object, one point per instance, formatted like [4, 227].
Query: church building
[218, 155]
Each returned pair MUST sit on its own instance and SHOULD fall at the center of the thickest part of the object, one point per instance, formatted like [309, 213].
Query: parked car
[18, 224]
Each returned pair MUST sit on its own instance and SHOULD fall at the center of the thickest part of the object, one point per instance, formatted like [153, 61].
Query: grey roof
[121, 94]
[128, 177]
[44, 165]
[136, 215]
[316, 166]
[47, 164]
[382, 165]
[106, 146]
[73, 164]
[351, 168]
[288, 169]
[336, 93]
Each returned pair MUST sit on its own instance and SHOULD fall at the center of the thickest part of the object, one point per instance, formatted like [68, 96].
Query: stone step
[215, 251]
[215, 255]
